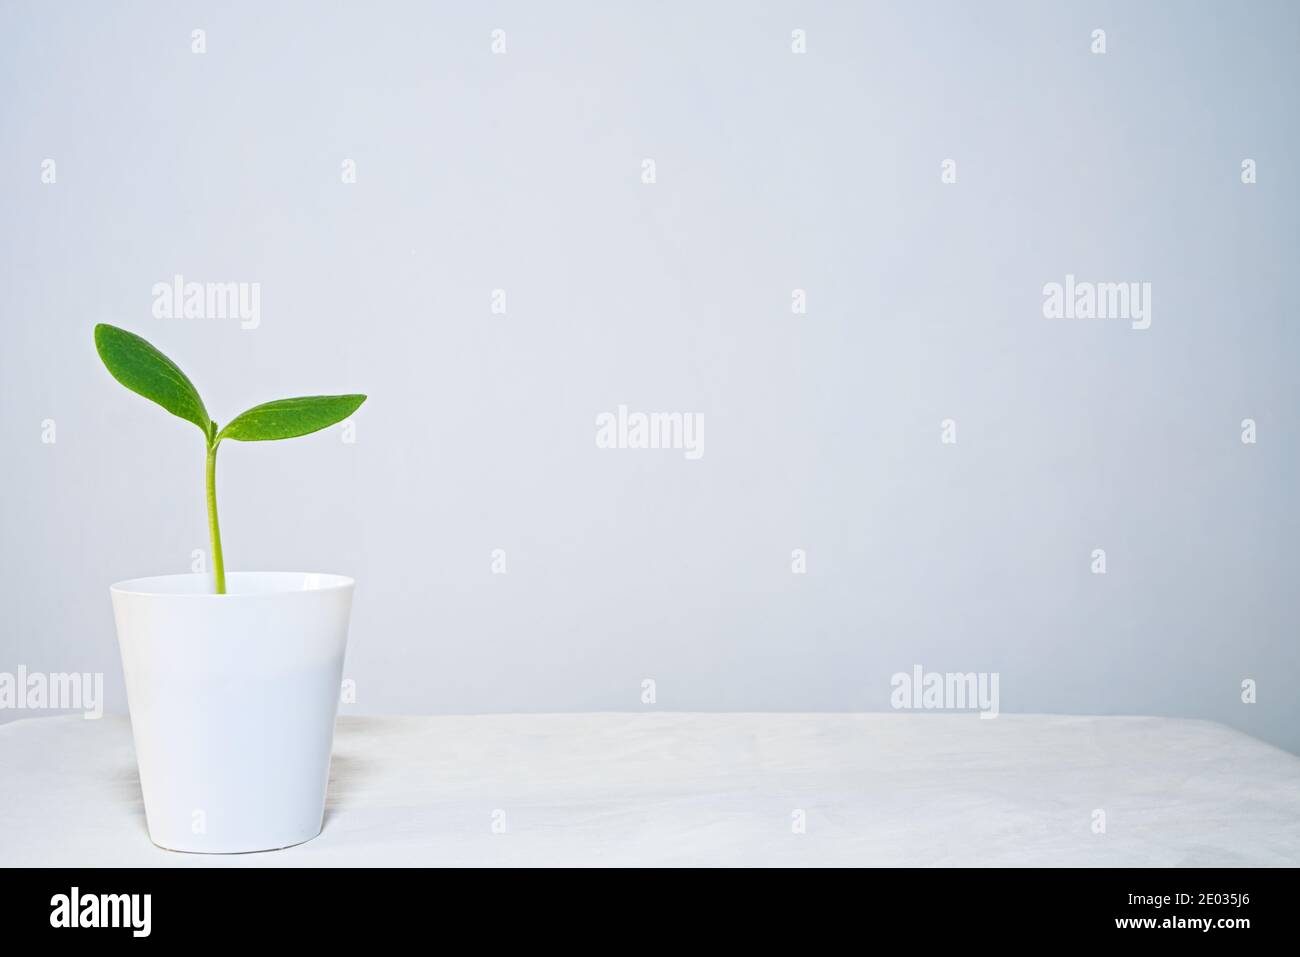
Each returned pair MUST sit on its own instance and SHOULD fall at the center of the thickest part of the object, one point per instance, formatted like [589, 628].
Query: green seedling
[146, 371]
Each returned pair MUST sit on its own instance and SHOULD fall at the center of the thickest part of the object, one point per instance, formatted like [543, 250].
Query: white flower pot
[233, 699]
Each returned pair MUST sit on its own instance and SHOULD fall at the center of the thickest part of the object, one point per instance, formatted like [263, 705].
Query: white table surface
[717, 789]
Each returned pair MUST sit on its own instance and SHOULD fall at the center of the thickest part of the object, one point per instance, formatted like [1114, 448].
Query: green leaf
[289, 418]
[144, 370]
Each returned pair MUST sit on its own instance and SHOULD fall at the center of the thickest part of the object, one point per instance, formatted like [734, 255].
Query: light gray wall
[775, 171]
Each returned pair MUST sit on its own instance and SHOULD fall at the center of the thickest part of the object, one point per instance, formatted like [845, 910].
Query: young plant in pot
[232, 680]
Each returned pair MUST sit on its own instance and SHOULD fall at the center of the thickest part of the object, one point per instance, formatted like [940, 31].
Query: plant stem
[214, 530]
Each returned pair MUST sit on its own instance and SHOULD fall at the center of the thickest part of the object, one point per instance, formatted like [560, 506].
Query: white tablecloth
[721, 789]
